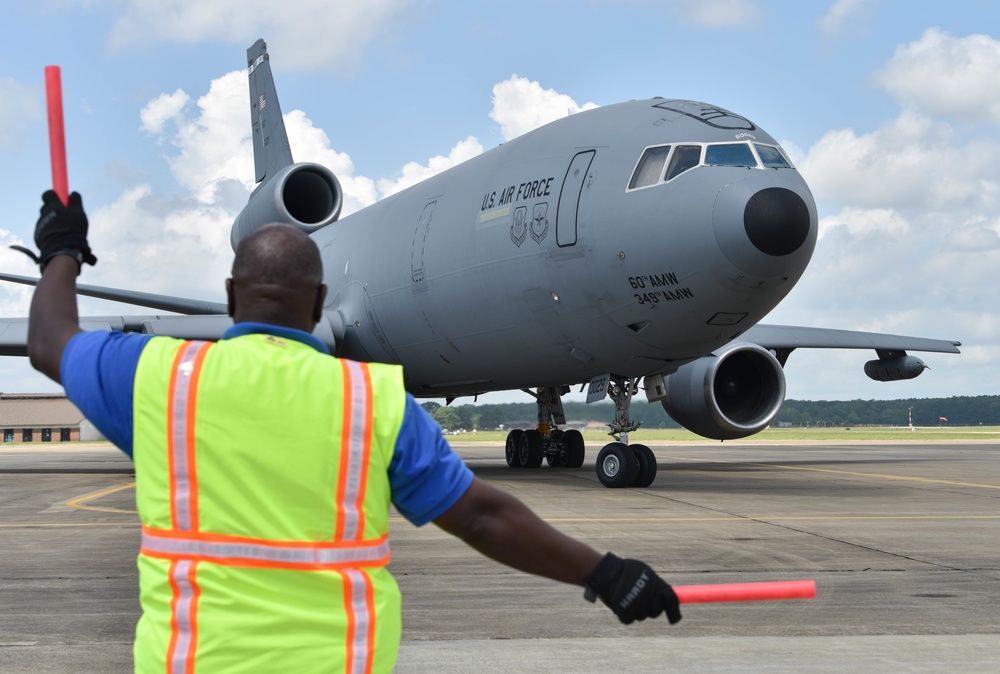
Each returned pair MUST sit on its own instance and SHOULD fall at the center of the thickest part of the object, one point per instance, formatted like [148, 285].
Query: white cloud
[310, 34]
[22, 107]
[863, 222]
[947, 76]
[841, 15]
[972, 238]
[311, 144]
[520, 105]
[162, 109]
[911, 161]
[413, 172]
[913, 242]
[719, 13]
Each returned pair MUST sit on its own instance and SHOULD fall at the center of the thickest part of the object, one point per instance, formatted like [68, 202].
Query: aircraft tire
[531, 449]
[575, 448]
[647, 466]
[616, 464]
[512, 449]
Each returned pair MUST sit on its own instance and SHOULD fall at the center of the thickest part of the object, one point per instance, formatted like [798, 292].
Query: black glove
[61, 229]
[632, 590]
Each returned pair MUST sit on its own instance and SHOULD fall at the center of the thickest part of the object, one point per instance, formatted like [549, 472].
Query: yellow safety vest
[262, 486]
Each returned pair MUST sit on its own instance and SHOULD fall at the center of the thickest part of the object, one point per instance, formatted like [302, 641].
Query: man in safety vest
[265, 469]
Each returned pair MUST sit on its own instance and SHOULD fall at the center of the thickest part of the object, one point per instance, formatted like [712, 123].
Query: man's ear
[317, 314]
[230, 298]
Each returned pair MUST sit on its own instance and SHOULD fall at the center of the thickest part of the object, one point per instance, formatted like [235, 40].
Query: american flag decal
[260, 105]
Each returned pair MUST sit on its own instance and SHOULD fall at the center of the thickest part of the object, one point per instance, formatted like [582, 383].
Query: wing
[14, 331]
[787, 338]
[180, 305]
[202, 319]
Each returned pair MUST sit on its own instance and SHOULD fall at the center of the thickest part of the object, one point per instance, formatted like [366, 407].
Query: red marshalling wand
[785, 589]
[57, 135]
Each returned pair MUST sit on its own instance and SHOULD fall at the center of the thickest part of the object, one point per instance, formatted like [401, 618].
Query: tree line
[958, 411]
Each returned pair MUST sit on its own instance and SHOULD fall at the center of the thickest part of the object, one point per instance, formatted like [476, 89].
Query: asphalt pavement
[902, 539]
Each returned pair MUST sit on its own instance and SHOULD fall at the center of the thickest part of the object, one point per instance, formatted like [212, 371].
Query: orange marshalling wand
[785, 589]
[57, 135]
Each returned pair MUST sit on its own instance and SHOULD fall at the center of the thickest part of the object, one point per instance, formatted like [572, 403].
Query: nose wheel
[620, 464]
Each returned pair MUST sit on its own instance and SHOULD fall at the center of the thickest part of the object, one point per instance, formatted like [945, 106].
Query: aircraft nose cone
[776, 220]
[766, 225]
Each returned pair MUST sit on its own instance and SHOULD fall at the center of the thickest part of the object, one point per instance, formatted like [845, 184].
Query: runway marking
[79, 501]
[907, 478]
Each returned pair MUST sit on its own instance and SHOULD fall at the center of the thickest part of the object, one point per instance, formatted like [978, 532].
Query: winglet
[271, 151]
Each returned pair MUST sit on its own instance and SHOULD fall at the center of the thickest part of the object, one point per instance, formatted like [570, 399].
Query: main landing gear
[619, 464]
[561, 449]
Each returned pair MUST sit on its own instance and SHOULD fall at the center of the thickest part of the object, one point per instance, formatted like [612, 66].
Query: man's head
[277, 279]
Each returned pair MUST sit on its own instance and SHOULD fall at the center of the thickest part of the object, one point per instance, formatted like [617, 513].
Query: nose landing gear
[620, 464]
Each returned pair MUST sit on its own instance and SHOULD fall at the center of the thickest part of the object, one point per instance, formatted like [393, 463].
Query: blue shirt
[98, 372]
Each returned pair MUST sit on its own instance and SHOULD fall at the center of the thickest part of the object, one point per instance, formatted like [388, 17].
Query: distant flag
[943, 418]
[260, 106]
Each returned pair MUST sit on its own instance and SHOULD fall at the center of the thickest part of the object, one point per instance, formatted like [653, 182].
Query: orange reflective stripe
[182, 392]
[356, 439]
[189, 427]
[262, 553]
[183, 622]
[359, 604]
[181, 404]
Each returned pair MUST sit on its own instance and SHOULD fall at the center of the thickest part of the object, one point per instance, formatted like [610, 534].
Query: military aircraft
[633, 246]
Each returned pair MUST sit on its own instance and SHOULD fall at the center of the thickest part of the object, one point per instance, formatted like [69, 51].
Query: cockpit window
[685, 157]
[680, 158]
[771, 156]
[649, 170]
[730, 154]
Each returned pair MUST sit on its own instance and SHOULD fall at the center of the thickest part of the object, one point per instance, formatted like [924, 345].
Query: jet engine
[732, 393]
[306, 196]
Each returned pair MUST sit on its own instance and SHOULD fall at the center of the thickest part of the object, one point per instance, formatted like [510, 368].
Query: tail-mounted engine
[735, 392]
[306, 196]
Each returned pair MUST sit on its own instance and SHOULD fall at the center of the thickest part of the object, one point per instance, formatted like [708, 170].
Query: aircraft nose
[766, 225]
[777, 221]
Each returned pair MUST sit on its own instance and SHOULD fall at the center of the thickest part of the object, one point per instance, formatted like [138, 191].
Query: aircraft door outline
[420, 235]
[569, 198]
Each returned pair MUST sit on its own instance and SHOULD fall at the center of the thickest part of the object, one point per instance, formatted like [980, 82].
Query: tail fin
[271, 151]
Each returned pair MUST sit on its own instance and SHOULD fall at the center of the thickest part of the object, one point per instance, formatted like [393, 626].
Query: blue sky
[891, 110]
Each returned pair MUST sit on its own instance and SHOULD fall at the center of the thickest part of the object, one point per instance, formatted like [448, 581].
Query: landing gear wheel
[647, 466]
[575, 449]
[512, 449]
[531, 449]
[616, 465]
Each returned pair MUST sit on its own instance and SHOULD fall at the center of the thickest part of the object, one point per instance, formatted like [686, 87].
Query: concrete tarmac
[903, 541]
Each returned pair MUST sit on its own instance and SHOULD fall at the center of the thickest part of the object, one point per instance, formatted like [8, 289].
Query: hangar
[43, 417]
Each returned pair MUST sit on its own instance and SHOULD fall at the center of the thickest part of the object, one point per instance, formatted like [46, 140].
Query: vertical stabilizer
[271, 152]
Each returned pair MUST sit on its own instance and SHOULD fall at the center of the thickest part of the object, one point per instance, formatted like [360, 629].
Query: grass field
[854, 434]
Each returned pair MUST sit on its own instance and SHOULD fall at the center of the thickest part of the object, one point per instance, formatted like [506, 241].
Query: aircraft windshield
[685, 157]
[677, 159]
[650, 167]
[771, 156]
[734, 154]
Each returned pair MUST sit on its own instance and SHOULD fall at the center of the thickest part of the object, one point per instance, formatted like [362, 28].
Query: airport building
[43, 417]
